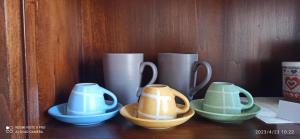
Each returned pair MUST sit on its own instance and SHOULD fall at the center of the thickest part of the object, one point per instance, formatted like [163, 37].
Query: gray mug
[123, 75]
[179, 71]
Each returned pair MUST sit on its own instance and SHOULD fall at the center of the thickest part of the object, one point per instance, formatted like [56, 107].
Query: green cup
[223, 97]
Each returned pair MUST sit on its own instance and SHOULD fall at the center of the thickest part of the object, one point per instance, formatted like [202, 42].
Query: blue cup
[88, 99]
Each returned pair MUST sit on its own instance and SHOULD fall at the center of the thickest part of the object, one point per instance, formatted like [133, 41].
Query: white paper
[289, 111]
[269, 108]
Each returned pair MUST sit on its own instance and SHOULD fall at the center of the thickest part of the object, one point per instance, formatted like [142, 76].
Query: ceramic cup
[179, 71]
[223, 97]
[157, 102]
[88, 99]
[291, 80]
[123, 74]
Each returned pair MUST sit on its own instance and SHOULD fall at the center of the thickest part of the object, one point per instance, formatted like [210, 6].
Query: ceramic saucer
[59, 113]
[129, 112]
[224, 118]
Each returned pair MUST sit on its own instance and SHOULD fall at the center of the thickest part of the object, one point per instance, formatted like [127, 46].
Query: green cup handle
[249, 98]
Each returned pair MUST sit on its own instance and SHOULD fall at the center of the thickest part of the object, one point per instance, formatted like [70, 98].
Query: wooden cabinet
[46, 46]
[12, 87]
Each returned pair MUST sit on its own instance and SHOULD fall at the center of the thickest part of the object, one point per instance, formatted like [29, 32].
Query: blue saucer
[59, 113]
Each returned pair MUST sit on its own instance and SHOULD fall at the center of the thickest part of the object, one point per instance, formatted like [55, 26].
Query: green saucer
[224, 118]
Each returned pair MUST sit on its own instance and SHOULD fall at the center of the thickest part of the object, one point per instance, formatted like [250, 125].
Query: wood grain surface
[4, 85]
[12, 106]
[244, 40]
[30, 68]
[52, 30]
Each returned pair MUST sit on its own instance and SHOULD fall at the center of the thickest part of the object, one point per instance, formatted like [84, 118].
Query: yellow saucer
[129, 112]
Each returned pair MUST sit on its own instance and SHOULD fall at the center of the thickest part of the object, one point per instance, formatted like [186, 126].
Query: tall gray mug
[123, 75]
[179, 71]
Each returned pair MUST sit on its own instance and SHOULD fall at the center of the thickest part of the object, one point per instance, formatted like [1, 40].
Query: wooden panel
[12, 110]
[210, 25]
[53, 51]
[4, 85]
[258, 36]
[244, 40]
[136, 26]
[32, 113]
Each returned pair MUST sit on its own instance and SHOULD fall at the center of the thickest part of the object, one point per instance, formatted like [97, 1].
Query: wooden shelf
[49, 45]
[197, 127]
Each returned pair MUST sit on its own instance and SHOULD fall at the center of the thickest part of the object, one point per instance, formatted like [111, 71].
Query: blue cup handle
[115, 101]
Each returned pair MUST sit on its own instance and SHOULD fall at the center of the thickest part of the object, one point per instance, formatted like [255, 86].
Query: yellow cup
[157, 102]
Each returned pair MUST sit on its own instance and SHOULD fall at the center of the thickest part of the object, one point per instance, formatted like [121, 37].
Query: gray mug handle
[195, 68]
[154, 76]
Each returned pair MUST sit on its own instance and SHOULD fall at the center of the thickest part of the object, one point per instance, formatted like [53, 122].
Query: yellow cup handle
[186, 106]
